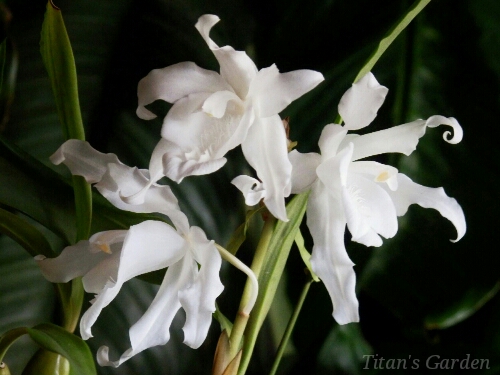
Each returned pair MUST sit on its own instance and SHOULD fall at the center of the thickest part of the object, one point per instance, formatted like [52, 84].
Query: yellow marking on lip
[382, 176]
[105, 248]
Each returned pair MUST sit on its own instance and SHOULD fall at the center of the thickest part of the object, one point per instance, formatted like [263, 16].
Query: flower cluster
[213, 113]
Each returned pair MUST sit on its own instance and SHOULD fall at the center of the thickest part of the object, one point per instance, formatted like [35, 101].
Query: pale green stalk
[240, 323]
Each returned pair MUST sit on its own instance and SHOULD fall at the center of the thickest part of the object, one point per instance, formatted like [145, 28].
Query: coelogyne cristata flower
[214, 113]
[365, 195]
[111, 258]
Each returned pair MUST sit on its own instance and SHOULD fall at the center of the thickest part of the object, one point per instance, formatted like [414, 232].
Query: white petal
[329, 258]
[333, 172]
[83, 160]
[203, 137]
[303, 170]
[215, 105]
[370, 238]
[235, 66]
[266, 150]
[368, 206]
[272, 91]
[252, 189]
[410, 192]
[198, 299]
[402, 138]
[359, 105]
[74, 261]
[153, 328]
[148, 246]
[379, 172]
[103, 299]
[330, 140]
[175, 82]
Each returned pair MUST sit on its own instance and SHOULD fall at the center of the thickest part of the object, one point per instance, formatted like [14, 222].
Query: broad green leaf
[272, 268]
[58, 340]
[35, 190]
[24, 234]
[58, 59]
[462, 309]
[305, 255]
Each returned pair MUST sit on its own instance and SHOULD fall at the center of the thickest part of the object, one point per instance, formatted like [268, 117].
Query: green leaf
[469, 304]
[35, 190]
[58, 340]
[272, 268]
[60, 64]
[24, 234]
[306, 256]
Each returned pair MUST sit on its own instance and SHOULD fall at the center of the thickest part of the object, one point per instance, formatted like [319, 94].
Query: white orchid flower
[111, 258]
[127, 188]
[365, 195]
[213, 113]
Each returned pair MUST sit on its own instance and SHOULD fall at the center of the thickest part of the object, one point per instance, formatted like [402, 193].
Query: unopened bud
[45, 362]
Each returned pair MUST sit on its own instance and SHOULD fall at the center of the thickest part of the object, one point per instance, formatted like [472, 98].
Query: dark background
[420, 295]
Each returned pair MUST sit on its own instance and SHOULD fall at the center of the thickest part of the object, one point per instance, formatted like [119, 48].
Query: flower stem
[242, 316]
[226, 255]
[290, 327]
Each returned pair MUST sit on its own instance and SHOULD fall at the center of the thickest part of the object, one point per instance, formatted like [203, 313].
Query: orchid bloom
[213, 113]
[127, 188]
[111, 258]
[364, 195]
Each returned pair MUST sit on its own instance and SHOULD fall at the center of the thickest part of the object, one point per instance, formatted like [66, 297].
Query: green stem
[290, 327]
[9, 338]
[240, 323]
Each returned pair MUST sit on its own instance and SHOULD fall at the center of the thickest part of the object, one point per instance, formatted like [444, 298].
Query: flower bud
[45, 362]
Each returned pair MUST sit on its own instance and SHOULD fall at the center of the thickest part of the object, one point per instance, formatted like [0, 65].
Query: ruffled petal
[410, 192]
[368, 206]
[330, 140]
[402, 138]
[272, 91]
[359, 105]
[265, 149]
[252, 189]
[178, 164]
[153, 328]
[235, 66]
[130, 189]
[329, 258]
[303, 170]
[198, 298]
[83, 160]
[175, 82]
